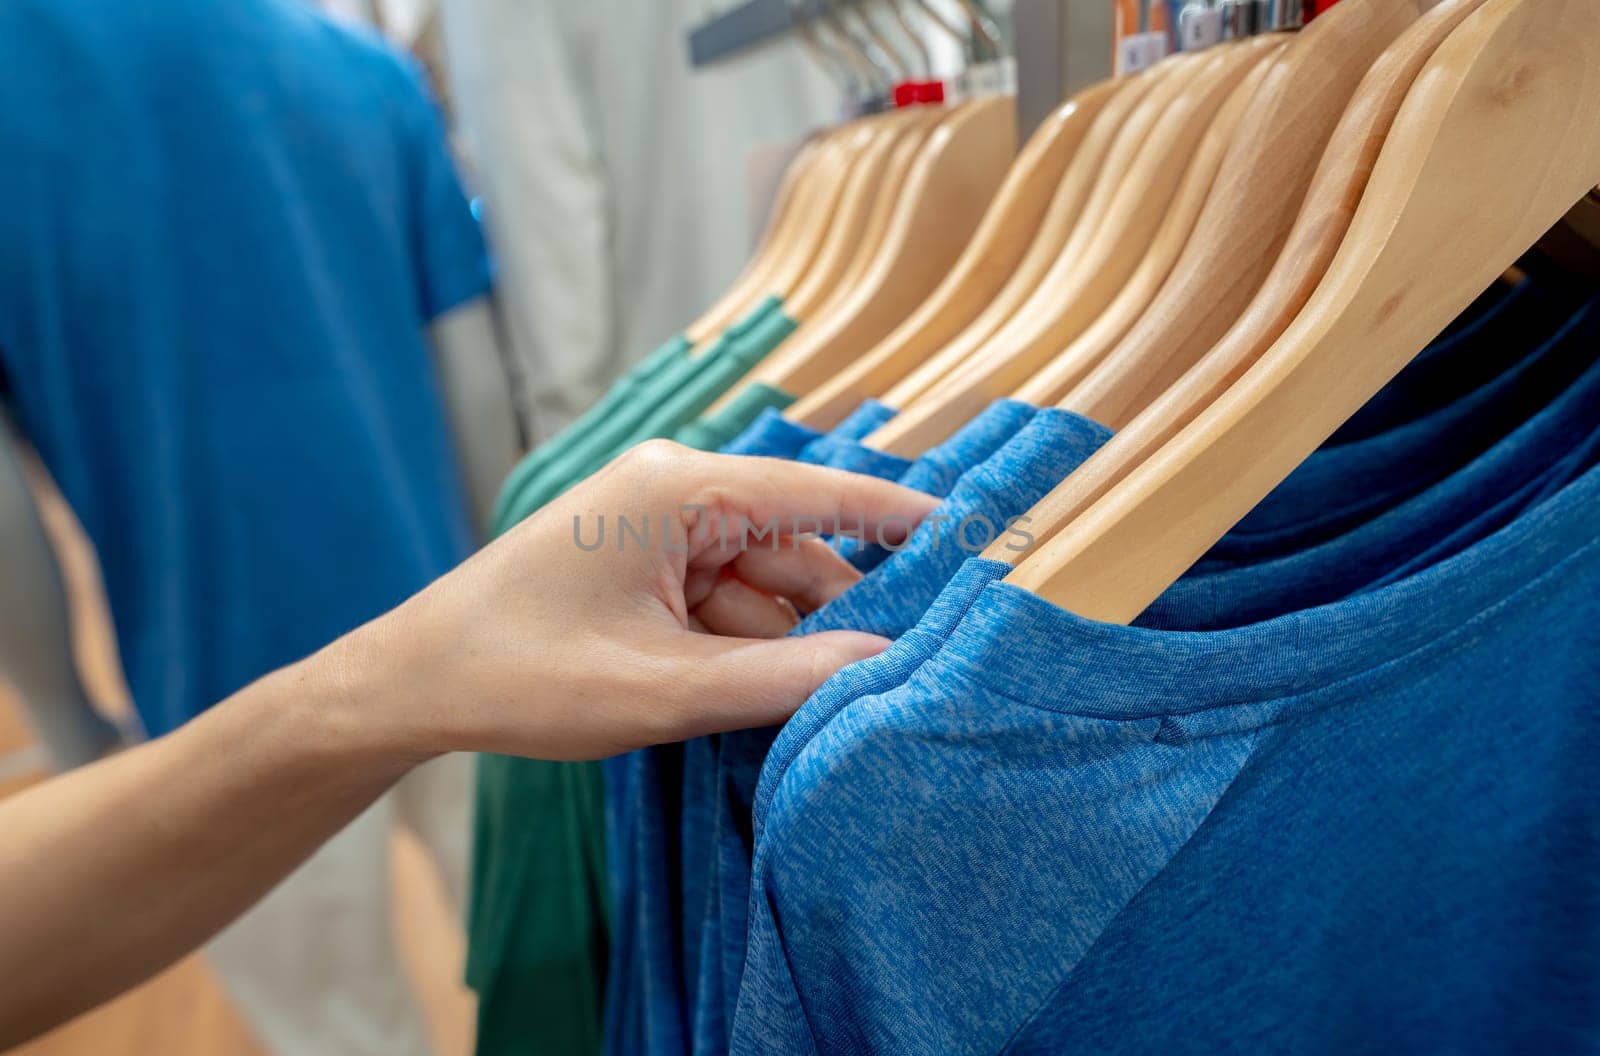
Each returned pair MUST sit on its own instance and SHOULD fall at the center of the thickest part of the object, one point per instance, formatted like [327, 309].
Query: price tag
[991, 78]
[1199, 28]
[1139, 52]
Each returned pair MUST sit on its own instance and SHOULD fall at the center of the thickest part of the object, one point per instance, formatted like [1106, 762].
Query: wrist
[350, 696]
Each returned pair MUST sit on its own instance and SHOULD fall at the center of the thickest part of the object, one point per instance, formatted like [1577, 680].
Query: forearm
[111, 873]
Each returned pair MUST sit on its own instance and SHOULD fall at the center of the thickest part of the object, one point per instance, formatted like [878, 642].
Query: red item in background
[1319, 6]
[912, 93]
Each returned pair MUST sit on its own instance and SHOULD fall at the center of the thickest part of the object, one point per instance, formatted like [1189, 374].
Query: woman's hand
[647, 605]
[536, 646]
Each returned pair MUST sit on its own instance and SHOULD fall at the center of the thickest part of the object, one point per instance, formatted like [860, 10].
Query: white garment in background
[314, 968]
[613, 174]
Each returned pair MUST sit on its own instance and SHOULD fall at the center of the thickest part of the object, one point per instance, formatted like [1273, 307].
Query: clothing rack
[1062, 45]
[744, 27]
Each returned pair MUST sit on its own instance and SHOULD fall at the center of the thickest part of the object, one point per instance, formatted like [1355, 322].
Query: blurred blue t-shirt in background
[224, 229]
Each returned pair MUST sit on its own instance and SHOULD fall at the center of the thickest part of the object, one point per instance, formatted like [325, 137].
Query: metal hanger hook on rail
[892, 63]
[834, 64]
[985, 27]
[918, 45]
[872, 73]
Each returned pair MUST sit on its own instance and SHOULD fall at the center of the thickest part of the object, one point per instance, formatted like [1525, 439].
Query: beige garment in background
[613, 174]
[314, 969]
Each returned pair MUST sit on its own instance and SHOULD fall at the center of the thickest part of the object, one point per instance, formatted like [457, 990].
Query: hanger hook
[854, 54]
[918, 45]
[962, 40]
[833, 64]
[984, 26]
[880, 75]
[895, 66]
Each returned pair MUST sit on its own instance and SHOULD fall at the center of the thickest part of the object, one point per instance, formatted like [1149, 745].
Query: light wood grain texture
[816, 201]
[1096, 267]
[1320, 228]
[951, 393]
[953, 181]
[1065, 212]
[1047, 386]
[1247, 221]
[755, 279]
[1497, 139]
[829, 277]
[860, 220]
[1012, 224]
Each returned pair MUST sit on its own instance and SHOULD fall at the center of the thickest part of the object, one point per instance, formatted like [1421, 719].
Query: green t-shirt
[620, 394]
[539, 929]
[718, 430]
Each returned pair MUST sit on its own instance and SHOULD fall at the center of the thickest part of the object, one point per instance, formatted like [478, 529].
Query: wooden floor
[185, 1011]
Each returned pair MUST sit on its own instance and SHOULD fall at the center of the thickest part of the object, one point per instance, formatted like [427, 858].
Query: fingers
[756, 596]
[793, 498]
[739, 684]
[738, 610]
[808, 572]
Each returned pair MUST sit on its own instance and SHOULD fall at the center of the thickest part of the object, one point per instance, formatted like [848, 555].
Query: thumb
[739, 683]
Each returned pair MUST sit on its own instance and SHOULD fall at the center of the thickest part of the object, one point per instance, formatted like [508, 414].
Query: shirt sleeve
[453, 265]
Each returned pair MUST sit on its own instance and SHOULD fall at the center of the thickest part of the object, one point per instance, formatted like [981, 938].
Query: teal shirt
[621, 394]
[714, 432]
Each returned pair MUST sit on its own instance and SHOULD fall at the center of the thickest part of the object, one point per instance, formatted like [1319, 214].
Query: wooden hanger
[753, 281]
[858, 223]
[1096, 266]
[1175, 231]
[1245, 226]
[954, 178]
[1014, 223]
[1067, 210]
[827, 194]
[1497, 139]
[1320, 228]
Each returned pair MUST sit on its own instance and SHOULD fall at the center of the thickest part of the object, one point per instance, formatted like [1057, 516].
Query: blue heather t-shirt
[888, 601]
[1348, 484]
[1369, 826]
[227, 227]
[936, 471]
[772, 435]
[1542, 455]
[891, 598]
[1488, 339]
[660, 807]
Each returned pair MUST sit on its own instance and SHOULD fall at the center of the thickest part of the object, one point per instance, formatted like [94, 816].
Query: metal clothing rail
[745, 26]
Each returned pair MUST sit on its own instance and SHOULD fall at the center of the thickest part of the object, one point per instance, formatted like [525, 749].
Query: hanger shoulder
[1336, 192]
[1066, 210]
[1056, 377]
[855, 222]
[901, 162]
[1499, 135]
[752, 282]
[952, 181]
[1245, 224]
[1096, 266]
[815, 222]
[1010, 227]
